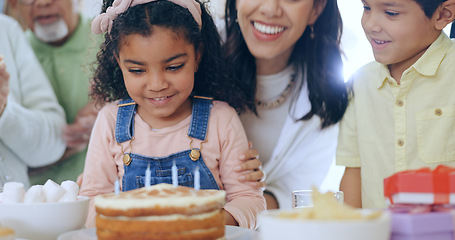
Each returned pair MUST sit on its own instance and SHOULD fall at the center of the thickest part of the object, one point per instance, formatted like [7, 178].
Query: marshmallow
[53, 191]
[35, 194]
[72, 190]
[13, 192]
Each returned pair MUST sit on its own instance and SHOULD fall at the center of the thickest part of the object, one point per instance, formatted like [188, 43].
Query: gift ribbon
[441, 184]
[440, 177]
[390, 186]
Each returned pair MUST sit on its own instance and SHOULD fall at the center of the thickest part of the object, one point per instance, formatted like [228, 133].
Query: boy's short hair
[429, 6]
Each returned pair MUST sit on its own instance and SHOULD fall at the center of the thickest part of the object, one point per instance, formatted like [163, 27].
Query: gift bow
[440, 183]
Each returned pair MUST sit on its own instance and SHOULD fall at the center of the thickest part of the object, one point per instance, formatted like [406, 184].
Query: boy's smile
[399, 32]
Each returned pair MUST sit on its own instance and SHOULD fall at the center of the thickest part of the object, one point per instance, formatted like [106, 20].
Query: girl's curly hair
[212, 78]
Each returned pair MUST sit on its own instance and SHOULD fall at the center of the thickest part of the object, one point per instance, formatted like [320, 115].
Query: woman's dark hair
[320, 58]
[212, 77]
[429, 6]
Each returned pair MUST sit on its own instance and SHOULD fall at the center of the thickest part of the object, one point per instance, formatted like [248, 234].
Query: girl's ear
[116, 58]
[317, 10]
[198, 55]
[444, 15]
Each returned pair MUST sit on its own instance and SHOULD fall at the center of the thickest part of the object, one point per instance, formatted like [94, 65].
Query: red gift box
[422, 186]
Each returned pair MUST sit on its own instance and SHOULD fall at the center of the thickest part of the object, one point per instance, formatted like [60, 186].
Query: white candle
[148, 176]
[197, 184]
[175, 180]
[116, 187]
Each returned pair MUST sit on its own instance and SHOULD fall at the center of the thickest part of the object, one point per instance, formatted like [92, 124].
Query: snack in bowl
[14, 192]
[7, 233]
[162, 212]
[32, 216]
[327, 219]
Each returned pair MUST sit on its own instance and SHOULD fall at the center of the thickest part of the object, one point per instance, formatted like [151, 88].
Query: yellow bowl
[44, 221]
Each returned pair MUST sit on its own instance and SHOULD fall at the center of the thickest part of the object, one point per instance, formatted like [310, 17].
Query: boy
[402, 112]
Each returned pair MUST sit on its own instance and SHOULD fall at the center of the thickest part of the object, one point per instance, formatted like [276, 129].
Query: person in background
[31, 120]
[401, 114]
[162, 73]
[286, 56]
[66, 49]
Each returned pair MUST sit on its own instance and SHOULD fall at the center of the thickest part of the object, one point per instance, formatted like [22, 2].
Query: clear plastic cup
[303, 198]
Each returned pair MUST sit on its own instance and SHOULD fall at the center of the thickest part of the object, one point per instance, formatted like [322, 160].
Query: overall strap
[124, 127]
[200, 117]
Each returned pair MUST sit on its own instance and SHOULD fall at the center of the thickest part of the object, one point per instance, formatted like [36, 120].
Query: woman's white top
[269, 88]
[296, 155]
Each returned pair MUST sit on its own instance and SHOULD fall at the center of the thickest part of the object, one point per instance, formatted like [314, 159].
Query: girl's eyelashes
[366, 8]
[135, 71]
[171, 68]
[174, 68]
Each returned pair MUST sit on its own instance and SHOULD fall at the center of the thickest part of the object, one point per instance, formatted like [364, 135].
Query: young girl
[157, 59]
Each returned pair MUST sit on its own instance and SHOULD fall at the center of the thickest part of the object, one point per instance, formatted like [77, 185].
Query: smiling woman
[275, 45]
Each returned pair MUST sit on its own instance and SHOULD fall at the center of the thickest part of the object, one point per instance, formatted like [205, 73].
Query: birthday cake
[162, 212]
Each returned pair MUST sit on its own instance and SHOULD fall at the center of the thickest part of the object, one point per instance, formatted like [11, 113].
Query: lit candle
[197, 184]
[116, 187]
[175, 180]
[148, 176]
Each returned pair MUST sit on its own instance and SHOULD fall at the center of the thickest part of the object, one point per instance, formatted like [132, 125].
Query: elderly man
[65, 47]
[31, 119]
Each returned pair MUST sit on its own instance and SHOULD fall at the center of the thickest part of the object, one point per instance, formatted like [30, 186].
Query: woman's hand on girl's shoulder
[251, 168]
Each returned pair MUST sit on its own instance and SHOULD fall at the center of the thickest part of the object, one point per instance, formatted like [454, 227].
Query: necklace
[280, 99]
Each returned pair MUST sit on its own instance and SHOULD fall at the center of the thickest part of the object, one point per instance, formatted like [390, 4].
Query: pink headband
[103, 22]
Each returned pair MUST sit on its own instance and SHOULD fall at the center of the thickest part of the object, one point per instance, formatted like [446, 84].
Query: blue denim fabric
[200, 118]
[124, 128]
[160, 167]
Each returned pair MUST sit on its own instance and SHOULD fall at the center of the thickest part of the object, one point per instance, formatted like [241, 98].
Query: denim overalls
[160, 167]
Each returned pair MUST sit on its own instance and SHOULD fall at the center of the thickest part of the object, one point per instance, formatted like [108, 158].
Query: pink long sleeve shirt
[226, 142]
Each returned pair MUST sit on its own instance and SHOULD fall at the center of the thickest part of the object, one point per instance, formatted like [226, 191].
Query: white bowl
[44, 221]
[273, 227]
